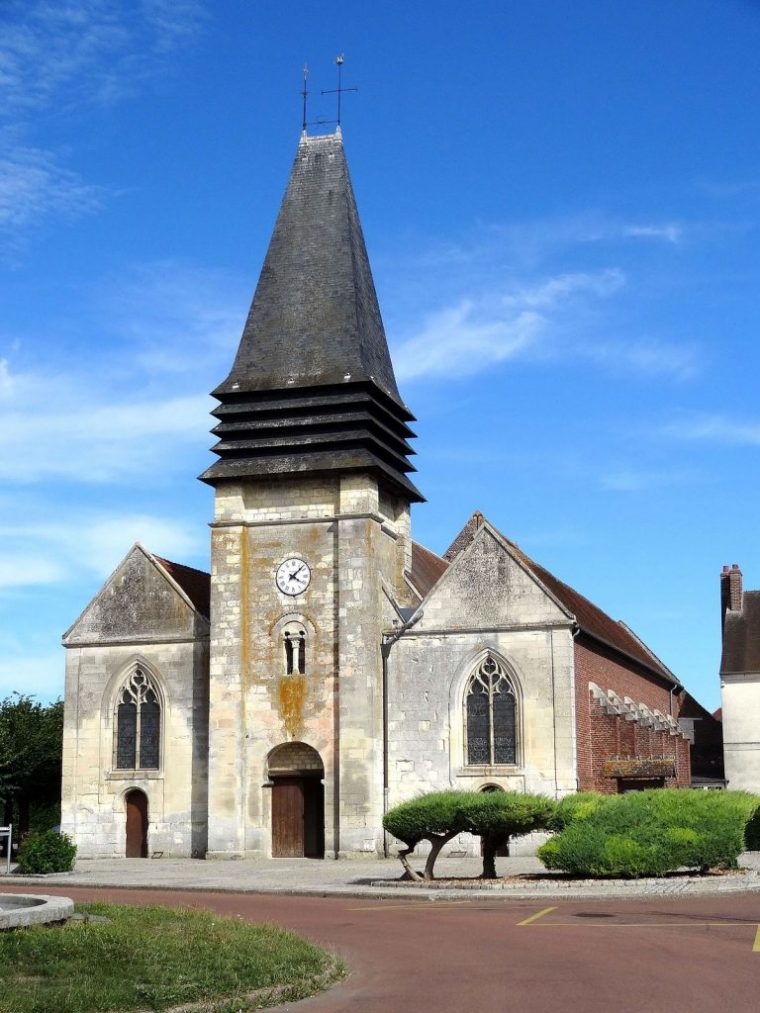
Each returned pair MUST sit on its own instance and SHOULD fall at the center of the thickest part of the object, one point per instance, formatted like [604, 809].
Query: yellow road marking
[537, 915]
[646, 925]
[419, 905]
[756, 944]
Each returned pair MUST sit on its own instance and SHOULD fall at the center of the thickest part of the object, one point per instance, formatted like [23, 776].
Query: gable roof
[741, 636]
[426, 569]
[590, 618]
[195, 583]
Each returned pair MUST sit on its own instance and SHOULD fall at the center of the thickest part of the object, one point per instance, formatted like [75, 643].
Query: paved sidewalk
[375, 878]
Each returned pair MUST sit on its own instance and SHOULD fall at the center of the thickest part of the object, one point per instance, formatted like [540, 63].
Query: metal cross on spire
[339, 61]
[305, 94]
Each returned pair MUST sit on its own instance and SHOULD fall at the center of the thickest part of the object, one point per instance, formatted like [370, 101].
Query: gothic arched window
[490, 715]
[138, 724]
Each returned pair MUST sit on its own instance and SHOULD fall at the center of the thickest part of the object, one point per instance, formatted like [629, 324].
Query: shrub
[46, 852]
[651, 833]
[576, 807]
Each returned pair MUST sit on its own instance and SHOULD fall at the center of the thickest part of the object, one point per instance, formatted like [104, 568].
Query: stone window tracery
[490, 716]
[138, 723]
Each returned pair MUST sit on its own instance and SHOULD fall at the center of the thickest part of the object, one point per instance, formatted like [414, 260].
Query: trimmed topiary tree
[498, 815]
[440, 816]
[427, 818]
[652, 833]
[46, 852]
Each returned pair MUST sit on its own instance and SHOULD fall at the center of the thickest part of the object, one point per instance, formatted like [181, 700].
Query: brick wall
[603, 735]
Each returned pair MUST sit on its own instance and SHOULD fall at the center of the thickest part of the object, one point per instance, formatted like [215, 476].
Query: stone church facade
[329, 666]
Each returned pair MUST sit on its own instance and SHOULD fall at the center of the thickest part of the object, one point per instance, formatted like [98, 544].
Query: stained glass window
[490, 716]
[138, 724]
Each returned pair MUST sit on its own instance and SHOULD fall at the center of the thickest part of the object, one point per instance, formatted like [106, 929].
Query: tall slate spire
[312, 386]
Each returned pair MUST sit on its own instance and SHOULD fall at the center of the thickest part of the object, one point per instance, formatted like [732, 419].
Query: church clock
[293, 576]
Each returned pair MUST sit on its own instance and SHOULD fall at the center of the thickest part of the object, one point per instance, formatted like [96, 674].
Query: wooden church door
[287, 817]
[137, 824]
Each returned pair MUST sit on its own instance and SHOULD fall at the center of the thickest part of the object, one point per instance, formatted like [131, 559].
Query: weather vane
[339, 61]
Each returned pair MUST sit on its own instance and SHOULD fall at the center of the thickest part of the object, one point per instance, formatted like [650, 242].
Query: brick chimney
[730, 591]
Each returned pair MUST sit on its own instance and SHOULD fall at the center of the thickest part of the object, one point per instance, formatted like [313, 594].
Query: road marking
[537, 915]
[417, 905]
[756, 944]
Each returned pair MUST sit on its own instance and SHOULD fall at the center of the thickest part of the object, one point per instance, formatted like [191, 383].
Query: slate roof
[590, 618]
[195, 583]
[312, 388]
[741, 636]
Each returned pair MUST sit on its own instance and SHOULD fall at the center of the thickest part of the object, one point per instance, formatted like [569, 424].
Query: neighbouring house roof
[195, 583]
[590, 618]
[741, 636]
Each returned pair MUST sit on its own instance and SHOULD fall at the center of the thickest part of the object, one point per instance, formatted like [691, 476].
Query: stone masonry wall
[93, 808]
[336, 525]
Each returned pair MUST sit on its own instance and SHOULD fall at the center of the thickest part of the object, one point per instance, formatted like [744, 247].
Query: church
[330, 666]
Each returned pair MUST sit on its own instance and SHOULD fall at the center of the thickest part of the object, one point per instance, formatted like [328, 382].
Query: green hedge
[652, 833]
[46, 852]
[579, 806]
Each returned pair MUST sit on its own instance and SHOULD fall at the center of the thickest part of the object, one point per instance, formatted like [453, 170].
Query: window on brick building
[138, 723]
[490, 716]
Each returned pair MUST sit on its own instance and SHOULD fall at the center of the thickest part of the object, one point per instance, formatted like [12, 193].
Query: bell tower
[310, 537]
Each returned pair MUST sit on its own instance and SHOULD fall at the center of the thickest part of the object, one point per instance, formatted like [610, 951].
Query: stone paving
[376, 878]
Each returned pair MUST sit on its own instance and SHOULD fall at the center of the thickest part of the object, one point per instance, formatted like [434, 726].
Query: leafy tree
[31, 737]
[439, 816]
[498, 815]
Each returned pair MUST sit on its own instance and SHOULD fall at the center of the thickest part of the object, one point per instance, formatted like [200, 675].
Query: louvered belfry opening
[312, 388]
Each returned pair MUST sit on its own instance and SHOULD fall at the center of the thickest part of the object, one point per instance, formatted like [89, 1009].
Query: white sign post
[7, 833]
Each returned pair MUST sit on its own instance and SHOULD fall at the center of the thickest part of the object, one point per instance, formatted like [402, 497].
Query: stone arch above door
[295, 759]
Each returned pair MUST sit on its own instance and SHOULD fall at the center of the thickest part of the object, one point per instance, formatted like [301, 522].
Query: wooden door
[137, 824]
[287, 817]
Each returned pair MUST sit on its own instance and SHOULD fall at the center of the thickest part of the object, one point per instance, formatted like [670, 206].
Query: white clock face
[293, 576]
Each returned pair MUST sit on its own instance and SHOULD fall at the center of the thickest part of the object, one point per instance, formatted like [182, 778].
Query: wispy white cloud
[632, 479]
[715, 429]
[461, 341]
[72, 52]
[648, 356]
[33, 186]
[89, 543]
[549, 292]
[63, 54]
[669, 233]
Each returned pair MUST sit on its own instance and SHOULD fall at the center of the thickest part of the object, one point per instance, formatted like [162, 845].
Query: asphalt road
[496, 955]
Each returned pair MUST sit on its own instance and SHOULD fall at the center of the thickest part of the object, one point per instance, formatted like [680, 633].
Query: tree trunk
[409, 872]
[23, 816]
[491, 845]
[437, 843]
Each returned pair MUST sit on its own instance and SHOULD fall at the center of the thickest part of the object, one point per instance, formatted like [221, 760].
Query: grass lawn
[153, 958]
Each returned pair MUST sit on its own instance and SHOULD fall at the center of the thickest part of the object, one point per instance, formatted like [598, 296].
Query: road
[494, 956]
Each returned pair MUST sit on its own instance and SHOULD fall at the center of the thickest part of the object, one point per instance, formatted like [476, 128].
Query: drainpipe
[386, 643]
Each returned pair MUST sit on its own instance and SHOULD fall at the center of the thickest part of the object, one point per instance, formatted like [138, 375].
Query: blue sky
[561, 201]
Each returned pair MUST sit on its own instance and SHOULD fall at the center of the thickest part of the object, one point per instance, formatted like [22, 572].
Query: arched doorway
[298, 801]
[136, 802]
